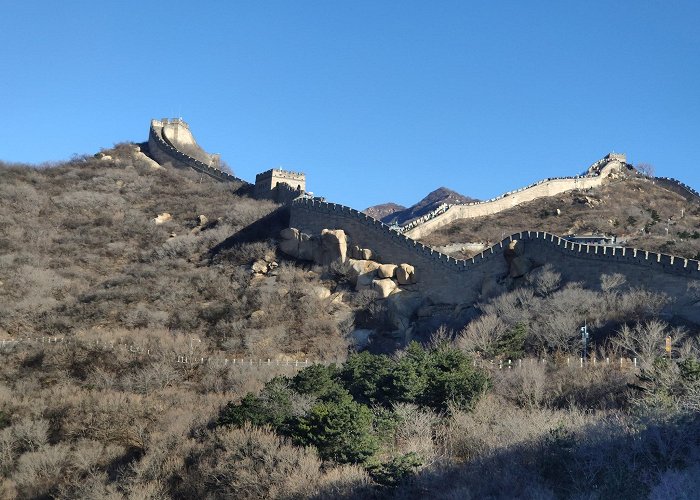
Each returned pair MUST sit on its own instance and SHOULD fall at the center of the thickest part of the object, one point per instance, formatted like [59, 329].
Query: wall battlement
[164, 152]
[279, 185]
[578, 250]
[597, 173]
[452, 280]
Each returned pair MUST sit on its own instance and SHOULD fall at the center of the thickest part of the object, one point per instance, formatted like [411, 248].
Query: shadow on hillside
[609, 461]
[260, 230]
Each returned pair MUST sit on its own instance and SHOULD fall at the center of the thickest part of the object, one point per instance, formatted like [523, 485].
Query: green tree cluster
[346, 412]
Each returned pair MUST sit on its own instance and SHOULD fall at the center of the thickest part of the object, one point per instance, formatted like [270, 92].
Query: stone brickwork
[163, 151]
[281, 186]
[449, 280]
[597, 174]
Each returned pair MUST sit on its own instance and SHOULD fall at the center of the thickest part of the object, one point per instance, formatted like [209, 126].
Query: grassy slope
[622, 208]
[79, 250]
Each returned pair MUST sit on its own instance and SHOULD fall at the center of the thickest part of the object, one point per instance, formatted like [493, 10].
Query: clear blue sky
[375, 100]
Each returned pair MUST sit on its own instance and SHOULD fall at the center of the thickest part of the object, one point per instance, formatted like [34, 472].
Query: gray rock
[384, 287]
[387, 270]
[334, 246]
[406, 274]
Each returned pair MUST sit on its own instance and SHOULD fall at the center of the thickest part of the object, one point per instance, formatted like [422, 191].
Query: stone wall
[675, 186]
[449, 280]
[279, 185]
[547, 187]
[164, 152]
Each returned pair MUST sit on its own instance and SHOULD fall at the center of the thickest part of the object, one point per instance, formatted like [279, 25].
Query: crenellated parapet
[164, 151]
[595, 176]
[452, 280]
[280, 185]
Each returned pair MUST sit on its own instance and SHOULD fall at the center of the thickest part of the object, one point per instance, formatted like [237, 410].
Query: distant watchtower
[279, 185]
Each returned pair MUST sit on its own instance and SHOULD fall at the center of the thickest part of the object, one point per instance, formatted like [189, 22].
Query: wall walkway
[450, 280]
[548, 187]
[163, 152]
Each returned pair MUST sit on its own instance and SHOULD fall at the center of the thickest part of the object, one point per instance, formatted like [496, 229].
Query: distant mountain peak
[383, 210]
[391, 213]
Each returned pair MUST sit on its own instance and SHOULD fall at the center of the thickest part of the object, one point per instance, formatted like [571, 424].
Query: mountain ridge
[430, 202]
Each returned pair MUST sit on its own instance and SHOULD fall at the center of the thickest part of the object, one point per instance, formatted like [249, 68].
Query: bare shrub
[494, 425]
[646, 341]
[39, 472]
[512, 307]
[525, 386]
[610, 282]
[29, 435]
[251, 462]
[646, 169]
[638, 304]
[482, 335]
[545, 280]
[680, 484]
[415, 430]
[344, 481]
[600, 388]
[156, 376]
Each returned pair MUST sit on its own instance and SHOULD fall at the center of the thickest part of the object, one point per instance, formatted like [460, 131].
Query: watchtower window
[298, 187]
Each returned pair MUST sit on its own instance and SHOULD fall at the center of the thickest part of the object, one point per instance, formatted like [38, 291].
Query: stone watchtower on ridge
[281, 186]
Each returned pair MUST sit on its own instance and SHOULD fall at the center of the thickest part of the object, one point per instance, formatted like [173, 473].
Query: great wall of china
[164, 138]
[597, 174]
[448, 280]
[451, 281]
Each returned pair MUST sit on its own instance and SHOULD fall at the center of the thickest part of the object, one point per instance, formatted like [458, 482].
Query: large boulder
[519, 266]
[406, 274]
[401, 307]
[355, 252]
[334, 246]
[162, 218]
[384, 287]
[289, 233]
[259, 267]
[366, 268]
[518, 263]
[361, 337]
[387, 270]
[307, 247]
[364, 281]
[289, 242]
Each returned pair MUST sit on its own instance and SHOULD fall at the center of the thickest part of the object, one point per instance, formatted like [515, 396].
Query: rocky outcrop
[384, 287]
[387, 271]
[406, 274]
[162, 218]
[518, 264]
[334, 246]
[331, 246]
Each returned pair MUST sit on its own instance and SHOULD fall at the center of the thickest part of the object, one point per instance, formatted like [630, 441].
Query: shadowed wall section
[448, 280]
[163, 151]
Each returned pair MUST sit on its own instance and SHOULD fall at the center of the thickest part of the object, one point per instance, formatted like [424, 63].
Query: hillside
[81, 250]
[391, 213]
[635, 211]
[384, 210]
[161, 338]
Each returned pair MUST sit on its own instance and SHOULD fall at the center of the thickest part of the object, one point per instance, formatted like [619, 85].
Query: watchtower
[279, 185]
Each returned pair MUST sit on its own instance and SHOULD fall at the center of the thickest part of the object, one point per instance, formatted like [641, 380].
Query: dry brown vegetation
[79, 421]
[81, 257]
[80, 249]
[634, 210]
